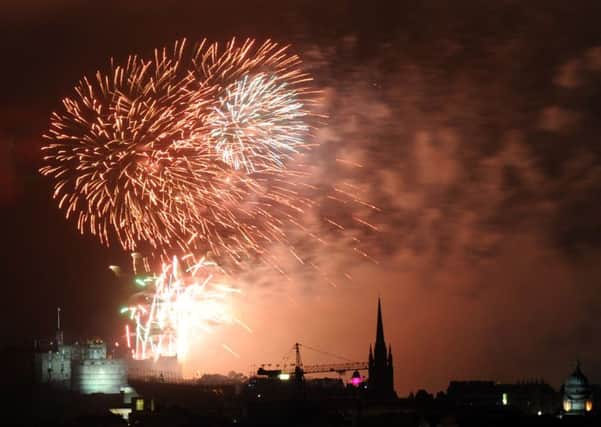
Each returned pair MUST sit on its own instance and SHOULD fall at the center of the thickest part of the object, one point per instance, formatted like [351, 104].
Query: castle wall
[99, 376]
[81, 368]
[54, 367]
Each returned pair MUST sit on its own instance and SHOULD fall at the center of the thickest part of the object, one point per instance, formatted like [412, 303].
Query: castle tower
[381, 375]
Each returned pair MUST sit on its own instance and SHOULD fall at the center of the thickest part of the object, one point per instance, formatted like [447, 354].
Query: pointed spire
[380, 363]
[380, 346]
[380, 327]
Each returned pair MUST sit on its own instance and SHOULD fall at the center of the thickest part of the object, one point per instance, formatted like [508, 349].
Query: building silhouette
[84, 368]
[576, 393]
[381, 375]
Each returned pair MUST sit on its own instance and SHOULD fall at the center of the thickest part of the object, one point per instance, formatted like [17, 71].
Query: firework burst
[258, 124]
[184, 152]
[259, 119]
[185, 299]
[113, 151]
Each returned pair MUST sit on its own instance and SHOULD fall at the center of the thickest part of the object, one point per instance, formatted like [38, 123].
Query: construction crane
[298, 370]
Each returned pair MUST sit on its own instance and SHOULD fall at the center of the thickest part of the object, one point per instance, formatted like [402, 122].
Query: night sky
[476, 125]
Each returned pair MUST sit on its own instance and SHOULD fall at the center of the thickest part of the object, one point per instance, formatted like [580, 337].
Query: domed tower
[577, 394]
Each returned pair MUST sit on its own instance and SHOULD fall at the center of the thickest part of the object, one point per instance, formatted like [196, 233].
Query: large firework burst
[184, 152]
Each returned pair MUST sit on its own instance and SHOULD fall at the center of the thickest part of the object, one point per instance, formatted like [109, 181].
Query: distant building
[474, 393]
[528, 397]
[95, 373]
[577, 396]
[53, 366]
[381, 375]
[82, 368]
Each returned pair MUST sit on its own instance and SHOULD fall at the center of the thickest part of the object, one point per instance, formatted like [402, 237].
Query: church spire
[380, 345]
[380, 364]
[380, 327]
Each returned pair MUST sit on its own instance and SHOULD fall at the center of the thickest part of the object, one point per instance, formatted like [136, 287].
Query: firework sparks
[257, 125]
[113, 151]
[259, 119]
[184, 152]
[181, 302]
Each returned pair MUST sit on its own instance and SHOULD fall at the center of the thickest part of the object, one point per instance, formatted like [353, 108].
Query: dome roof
[577, 378]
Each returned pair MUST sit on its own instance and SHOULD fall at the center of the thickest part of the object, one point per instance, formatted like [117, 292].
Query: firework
[184, 300]
[184, 152]
[257, 124]
[113, 151]
[262, 103]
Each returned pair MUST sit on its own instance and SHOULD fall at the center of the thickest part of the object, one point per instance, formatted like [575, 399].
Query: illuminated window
[139, 404]
[589, 405]
[505, 399]
[567, 405]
